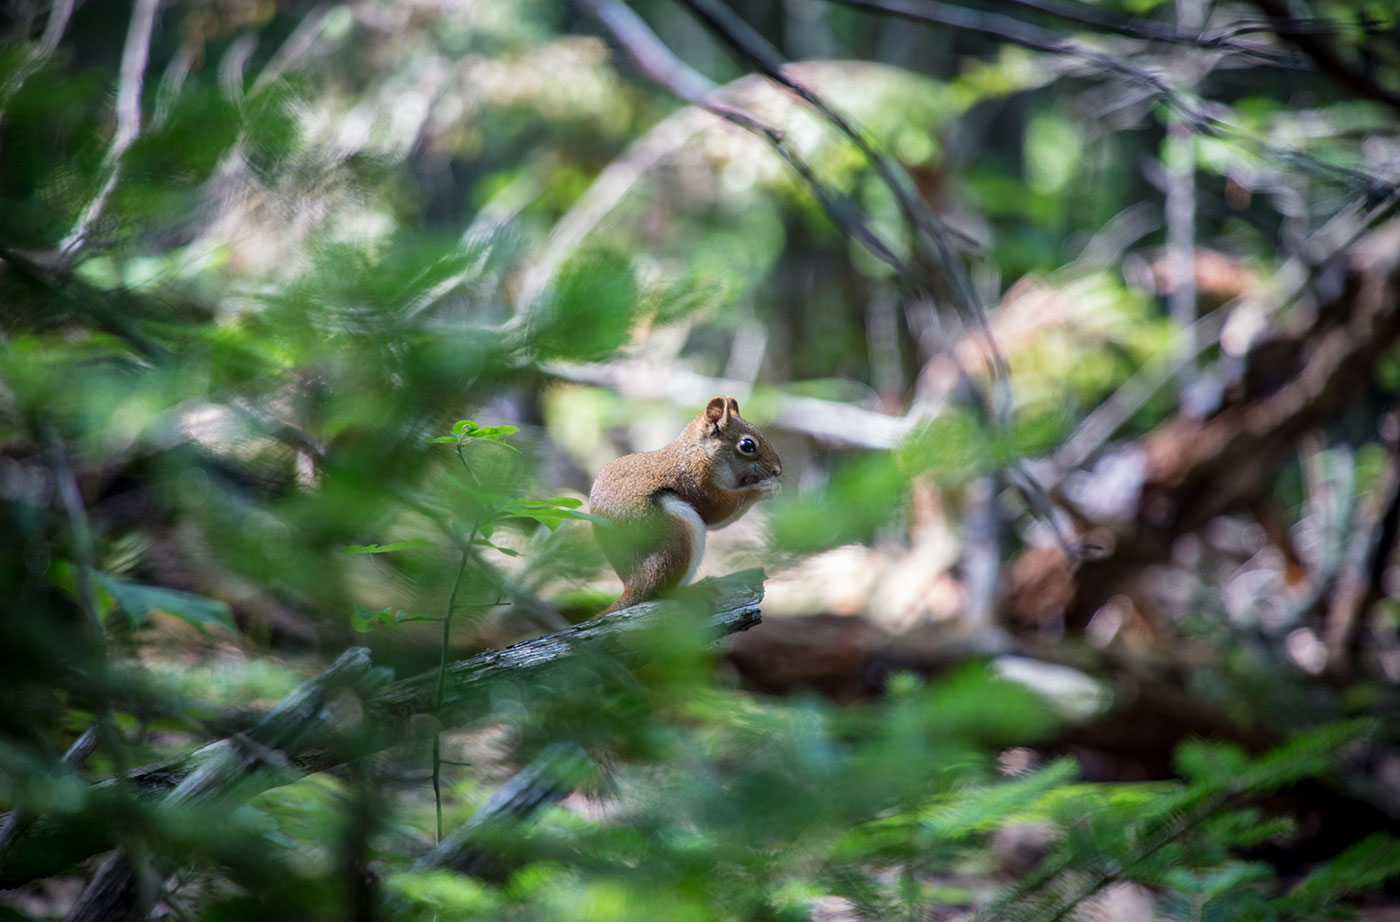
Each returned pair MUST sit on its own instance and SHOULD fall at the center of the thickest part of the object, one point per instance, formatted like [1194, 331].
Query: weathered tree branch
[17, 821]
[472, 847]
[301, 736]
[124, 889]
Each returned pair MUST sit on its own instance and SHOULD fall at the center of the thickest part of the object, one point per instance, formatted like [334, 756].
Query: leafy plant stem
[442, 679]
[475, 479]
[85, 558]
[446, 638]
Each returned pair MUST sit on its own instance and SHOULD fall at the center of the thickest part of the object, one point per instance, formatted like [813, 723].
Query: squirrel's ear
[733, 405]
[717, 409]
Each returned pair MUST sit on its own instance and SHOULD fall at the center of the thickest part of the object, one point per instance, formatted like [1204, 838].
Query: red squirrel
[660, 502]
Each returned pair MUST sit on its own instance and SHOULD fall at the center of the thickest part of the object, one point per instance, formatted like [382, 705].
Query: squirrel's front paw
[766, 488]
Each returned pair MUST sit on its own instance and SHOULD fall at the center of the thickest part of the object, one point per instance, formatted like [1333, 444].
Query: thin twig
[1329, 476]
[172, 82]
[662, 67]
[135, 55]
[604, 194]
[466, 552]
[931, 239]
[931, 244]
[1179, 211]
[1104, 421]
[70, 495]
[1194, 111]
[1151, 31]
[1018, 32]
[297, 46]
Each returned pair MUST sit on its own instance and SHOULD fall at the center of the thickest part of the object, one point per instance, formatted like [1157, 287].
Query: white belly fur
[683, 511]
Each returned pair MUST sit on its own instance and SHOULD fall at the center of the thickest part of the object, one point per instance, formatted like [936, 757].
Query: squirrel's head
[743, 456]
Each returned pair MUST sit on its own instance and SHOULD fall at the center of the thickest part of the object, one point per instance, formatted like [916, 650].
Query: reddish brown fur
[650, 549]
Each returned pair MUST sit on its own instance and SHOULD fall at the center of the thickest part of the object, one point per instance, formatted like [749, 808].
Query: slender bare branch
[81, 546]
[1152, 31]
[932, 242]
[829, 422]
[659, 64]
[172, 82]
[934, 258]
[1180, 218]
[291, 52]
[606, 191]
[135, 56]
[1201, 116]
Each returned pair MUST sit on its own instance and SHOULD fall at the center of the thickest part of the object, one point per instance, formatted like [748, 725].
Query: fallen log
[1192, 469]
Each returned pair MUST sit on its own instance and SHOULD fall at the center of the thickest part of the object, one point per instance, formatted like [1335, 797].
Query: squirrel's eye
[747, 446]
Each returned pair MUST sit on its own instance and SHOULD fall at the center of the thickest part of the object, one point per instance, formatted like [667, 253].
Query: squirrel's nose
[777, 470]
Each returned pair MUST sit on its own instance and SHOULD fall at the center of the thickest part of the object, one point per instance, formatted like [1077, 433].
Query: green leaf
[585, 517]
[496, 547]
[363, 619]
[139, 600]
[494, 433]
[548, 512]
[547, 519]
[387, 548]
[555, 503]
[465, 430]
[442, 440]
